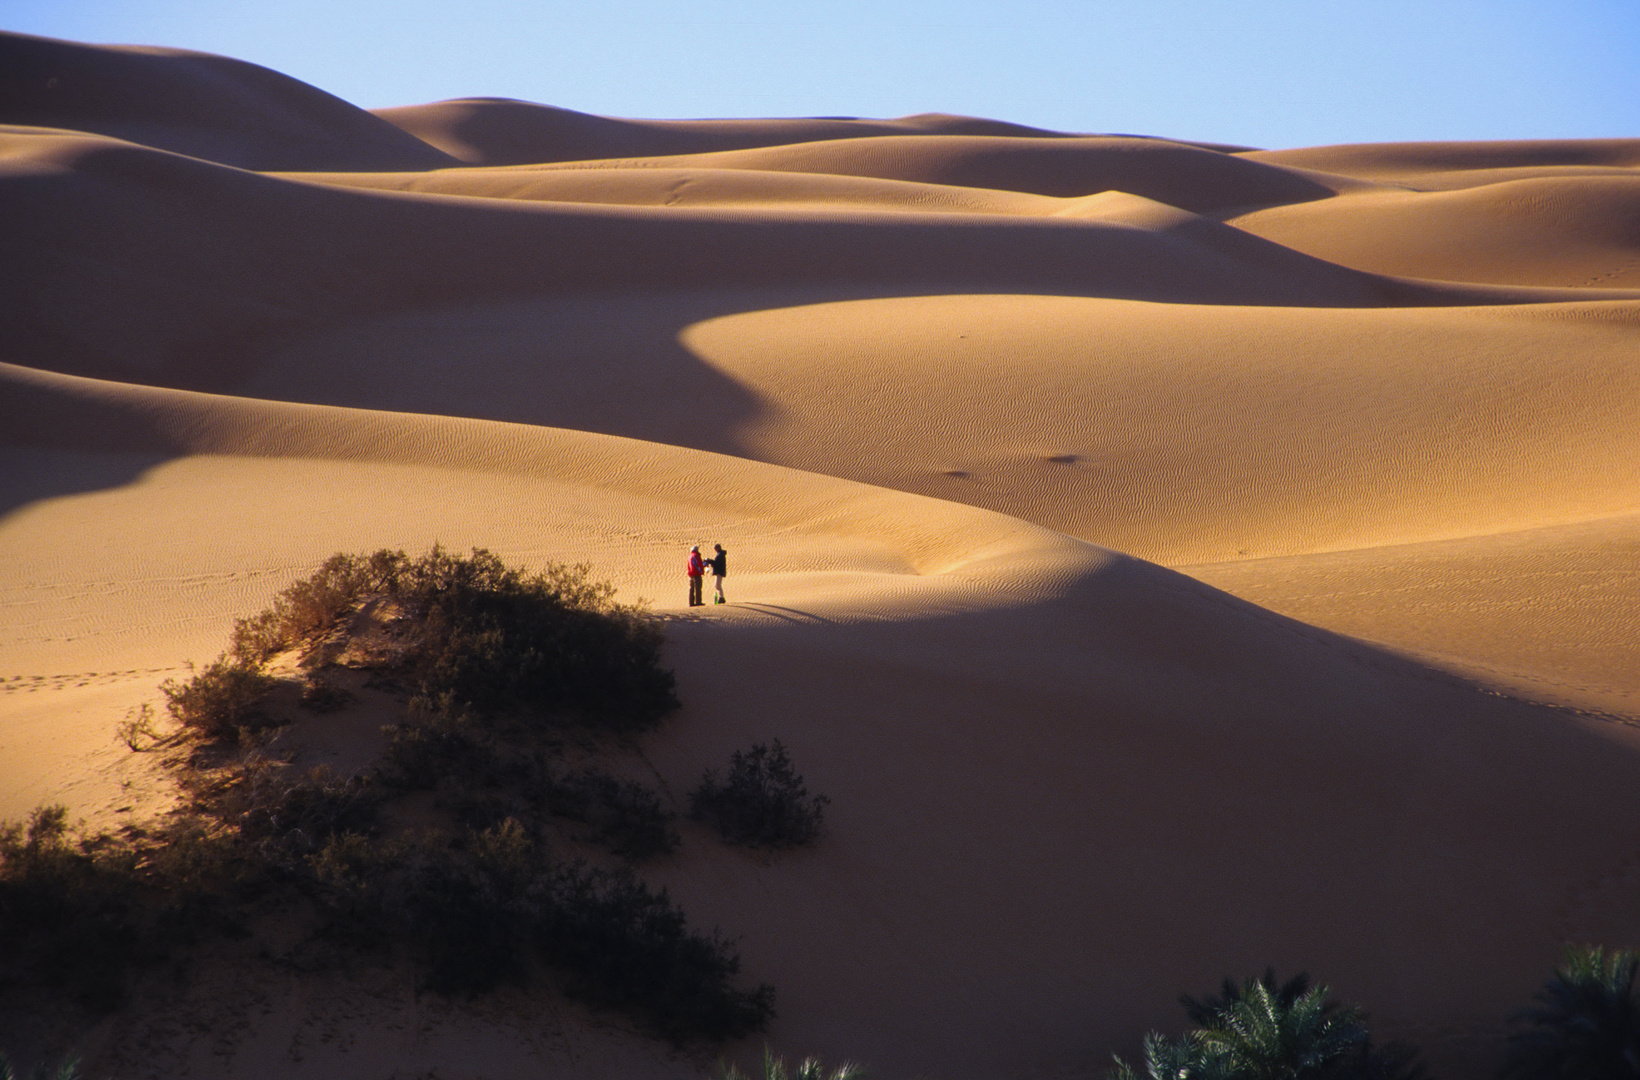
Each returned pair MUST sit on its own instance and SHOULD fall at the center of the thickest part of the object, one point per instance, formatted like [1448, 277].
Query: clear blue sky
[1271, 73]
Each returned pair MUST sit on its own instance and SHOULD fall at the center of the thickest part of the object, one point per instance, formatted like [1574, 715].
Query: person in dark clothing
[697, 570]
[720, 570]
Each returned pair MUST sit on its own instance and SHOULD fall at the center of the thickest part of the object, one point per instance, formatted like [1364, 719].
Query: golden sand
[1171, 559]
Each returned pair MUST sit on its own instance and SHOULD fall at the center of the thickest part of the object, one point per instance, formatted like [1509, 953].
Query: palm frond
[1586, 1023]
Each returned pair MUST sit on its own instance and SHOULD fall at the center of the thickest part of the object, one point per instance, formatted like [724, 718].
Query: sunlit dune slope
[1178, 432]
[1187, 176]
[724, 188]
[1551, 613]
[1184, 434]
[54, 418]
[1432, 165]
[200, 267]
[206, 106]
[141, 522]
[1557, 230]
[1036, 748]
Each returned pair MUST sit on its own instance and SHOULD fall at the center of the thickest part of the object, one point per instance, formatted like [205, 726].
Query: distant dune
[1172, 559]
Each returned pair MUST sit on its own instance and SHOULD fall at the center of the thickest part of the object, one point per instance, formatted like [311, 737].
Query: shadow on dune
[29, 474]
[55, 444]
[1141, 786]
[205, 106]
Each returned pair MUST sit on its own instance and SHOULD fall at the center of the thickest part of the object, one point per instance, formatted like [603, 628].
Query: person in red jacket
[697, 568]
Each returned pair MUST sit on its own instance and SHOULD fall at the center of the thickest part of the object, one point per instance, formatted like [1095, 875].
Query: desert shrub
[626, 946]
[67, 917]
[500, 669]
[442, 741]
[137, 729]
[549, 644]
[454, 901]
[480, 908]
[762, 802]
[199, 866]
[296, 818]
[79, 912]
[221, 700]
[624, 816]
[552, 644]
[1586, 1023]
[1262, 1029]
[315, 606]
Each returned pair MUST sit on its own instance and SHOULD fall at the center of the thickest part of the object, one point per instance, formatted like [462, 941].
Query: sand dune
[283, 258]
[498, 131]
[1558, 230]
[191, 103]
[1183, 175]
[1172, 560]
[1182, 433]
[1418, 164]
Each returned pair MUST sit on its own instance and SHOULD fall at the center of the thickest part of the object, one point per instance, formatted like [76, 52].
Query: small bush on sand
[137, 729]
[550, 645]
[442, 741]
[762, 802]
[629, 947]
[293, 819]
[489, 776]
[1586, 1023]
[80, 912]
[1263, 1029]
[221, 700]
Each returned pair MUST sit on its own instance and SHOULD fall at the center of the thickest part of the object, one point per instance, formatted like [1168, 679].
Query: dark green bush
[454, 900]
[1586, 1023]
[291, 819]
[553, 645]
[221, 700]
[480, 908]
[762, 802]
[500, 670]
[79, 913]
[443, 740]
[68, 917]
[628, 947]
